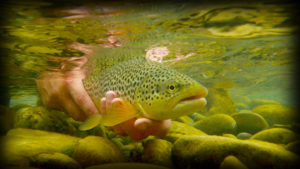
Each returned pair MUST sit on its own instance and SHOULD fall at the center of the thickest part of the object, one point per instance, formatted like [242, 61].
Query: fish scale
[147, 89]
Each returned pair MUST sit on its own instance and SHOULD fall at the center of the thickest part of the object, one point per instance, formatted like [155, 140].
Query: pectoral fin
[91, 122]
[120, 111]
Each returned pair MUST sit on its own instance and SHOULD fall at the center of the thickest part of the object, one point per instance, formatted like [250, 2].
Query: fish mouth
[196, 100]
[190, 98]
[190, 103]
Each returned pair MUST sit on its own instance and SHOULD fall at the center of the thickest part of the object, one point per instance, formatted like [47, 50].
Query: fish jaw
[188, 107]
[190, 101]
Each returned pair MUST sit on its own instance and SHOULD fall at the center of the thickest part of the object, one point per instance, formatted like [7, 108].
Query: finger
[142, 123]
[160, 128]
[103, 105]
[71, 107]
[131, 131]
[110, 95]
[116, 102]
[81, 97]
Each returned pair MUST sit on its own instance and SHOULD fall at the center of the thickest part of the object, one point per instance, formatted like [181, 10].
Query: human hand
[137, 129]
[63, 89]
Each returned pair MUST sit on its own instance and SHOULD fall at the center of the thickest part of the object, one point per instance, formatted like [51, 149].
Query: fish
[147, 89]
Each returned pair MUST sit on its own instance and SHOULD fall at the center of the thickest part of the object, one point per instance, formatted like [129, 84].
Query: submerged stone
[276, 135]
[244, 136]
[241, 106]
[229, 135]
[25, 146]
[55, 160]
[197, 116]
[132, 151]
[249, 122]
[231, 162]
[209, 152]
[41, 118]
[127, 166]
[185, 119]
[179, 129]
[217, 124]
[158, 151]
[276, 113]
[93, 150]
[293, 147]
[258, 102]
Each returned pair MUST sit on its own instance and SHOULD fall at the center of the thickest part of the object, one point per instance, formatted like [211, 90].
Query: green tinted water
[245, 48]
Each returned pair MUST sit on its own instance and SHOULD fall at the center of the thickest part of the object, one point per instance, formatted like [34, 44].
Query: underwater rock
[55, 160]
[24, 146]
[231, 162]
[276, 135]
[93, 150]
[219, 101]
[158, 151]
[179, 129]
[241, 106]
[259, 102]
[185, 119]
[127, 166]
[42, 118]
[249, 122]
[133, 151]
[245, 111]
[244, 136]
[197, 116]
[276, 113]
[209, 152]
[293, 147]
[217, 124]
[229, 135]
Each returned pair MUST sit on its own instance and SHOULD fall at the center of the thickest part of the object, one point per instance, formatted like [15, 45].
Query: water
[247, 45]
[241, 51]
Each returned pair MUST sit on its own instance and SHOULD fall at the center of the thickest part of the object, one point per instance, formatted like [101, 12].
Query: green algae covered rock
[93, 150]
[243, 136]
[38, 118]
[241, 106]
[293, 147]
[179, 129]
[229, 135]
[197, 116]
[132, 151]
[55, 160]
[217, 124]
[249, 122]
[231, 162]
[276, 135]
[25, 145]
[258, 102]
[158, 151]
[209, 152]
[42, 118]
[276, 113]
[219, 101]
[127, 166]
[185, 119]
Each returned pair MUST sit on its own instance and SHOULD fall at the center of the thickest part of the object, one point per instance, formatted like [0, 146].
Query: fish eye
[171, 88]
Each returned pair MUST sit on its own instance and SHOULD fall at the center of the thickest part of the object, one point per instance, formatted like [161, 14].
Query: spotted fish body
[148, 89]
